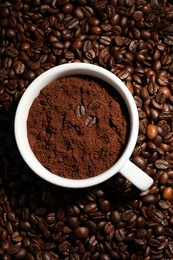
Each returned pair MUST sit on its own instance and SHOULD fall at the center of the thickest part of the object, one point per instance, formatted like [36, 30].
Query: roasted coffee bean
[166, 91]
[161, 164]
[11, 52]
[80, 111]
[169, 158]
[95, 30]
[81, 232]
[104, 205]
[21, 254]
[73, 23]
[5, 245]
[104, 257]
[140, 222]
[164, 178]
[13, 249]
[90, 207]
[150, 199]
[19, 67]
[168, 193]
[90, 54]
[28, 74]
[95, 104]
[34, 248]
[120, 234]
[105, 40]
[4, 97]
[140, 162]
[90, 121]
[168, 137]
[141, 233]
[78, 13]
[87, 45]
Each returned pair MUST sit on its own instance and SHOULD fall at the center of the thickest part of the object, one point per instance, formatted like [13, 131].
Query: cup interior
[33, 90]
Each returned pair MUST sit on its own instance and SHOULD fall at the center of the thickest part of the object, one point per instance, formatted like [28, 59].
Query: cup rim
[20, 122]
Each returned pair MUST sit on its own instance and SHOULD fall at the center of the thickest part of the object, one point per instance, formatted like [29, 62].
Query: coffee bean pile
[134, 40]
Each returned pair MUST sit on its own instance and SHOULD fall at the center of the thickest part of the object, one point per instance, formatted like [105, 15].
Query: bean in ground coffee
[78, 127]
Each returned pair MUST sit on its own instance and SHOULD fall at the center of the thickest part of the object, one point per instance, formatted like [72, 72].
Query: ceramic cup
[123, 165]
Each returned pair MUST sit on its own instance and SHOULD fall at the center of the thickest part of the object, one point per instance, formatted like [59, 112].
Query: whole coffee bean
[11, 52]
[99, 193]
[115, 19]
[19, 67]
[90, 54]
[73, 23]
[168, 193]
[7, 62]
[133, 46]
[34, 248]
[161, 164]
[115, 217]
[149, 199]
[73, 222]
[152, 131]
[10, 33]
[140, 222]
[4, 12]
[95, 30]
[21, 254]
[162, 81]
[140, 233]
[81, 232]
[140, 162]
[104, 257]
[164, 178]
[25, 225]
[93, 21]
[105, 40]
[106, 27]
[46, 255]
[58, 45]
[77, 44]
[25, 46]
[123, 74]
[68, 8]
[26, 242]
[90, 207]
[29, 75]
[120, 234]
[78, 13]
[168, 137]
[166, 91]
[123, 21]
[104, 205]
[95, 104]
[169, 158]
[6, 256]
[137, 15]
[90, 121]
[159, 230]
[80, 111]
[154, 114]
[13, 249]
[5, 245]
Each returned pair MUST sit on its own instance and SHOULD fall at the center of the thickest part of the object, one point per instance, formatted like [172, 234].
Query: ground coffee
[77, 127]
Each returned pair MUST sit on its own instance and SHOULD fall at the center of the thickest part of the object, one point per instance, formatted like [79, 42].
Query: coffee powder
[77, 127]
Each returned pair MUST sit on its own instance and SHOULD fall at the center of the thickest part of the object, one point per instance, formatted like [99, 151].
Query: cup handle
[136, 176]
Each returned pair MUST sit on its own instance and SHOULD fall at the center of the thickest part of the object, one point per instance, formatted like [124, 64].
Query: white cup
[123, 165]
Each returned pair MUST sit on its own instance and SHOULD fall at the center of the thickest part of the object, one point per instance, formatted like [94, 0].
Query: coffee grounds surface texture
[77, 127]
